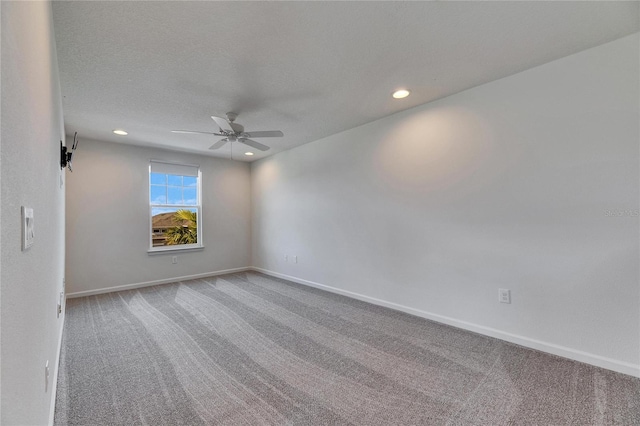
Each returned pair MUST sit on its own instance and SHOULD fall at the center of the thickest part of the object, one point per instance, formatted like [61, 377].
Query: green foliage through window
[185, 230]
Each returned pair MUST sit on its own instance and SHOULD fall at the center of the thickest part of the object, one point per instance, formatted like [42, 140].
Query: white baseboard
[565, 352]
[54, 378]
[155, 282]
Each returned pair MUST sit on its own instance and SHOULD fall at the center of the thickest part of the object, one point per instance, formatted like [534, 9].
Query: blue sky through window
[173, 189]
[158, 179]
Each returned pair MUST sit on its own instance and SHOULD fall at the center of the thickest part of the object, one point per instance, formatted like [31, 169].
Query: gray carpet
[249, 349]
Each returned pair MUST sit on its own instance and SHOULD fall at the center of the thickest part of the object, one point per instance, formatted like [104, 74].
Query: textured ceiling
[310, 69]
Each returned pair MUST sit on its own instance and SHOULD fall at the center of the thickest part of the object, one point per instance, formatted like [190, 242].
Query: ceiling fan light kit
[234, 132]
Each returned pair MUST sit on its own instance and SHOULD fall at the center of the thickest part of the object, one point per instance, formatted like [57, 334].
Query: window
[174, 206]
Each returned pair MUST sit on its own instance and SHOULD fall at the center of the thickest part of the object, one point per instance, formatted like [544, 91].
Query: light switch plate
[27, 227]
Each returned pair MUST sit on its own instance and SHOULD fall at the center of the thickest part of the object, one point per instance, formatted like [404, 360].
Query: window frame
[198, 207]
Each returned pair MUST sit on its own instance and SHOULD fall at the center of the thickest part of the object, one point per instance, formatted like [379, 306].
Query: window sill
[155, 252]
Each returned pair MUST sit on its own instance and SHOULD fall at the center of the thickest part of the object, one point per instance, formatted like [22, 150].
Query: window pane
[158, 194]
[175, 180]
[190, 197]
[174, 194]
[158, 179]
[174, 226]
[189, 181]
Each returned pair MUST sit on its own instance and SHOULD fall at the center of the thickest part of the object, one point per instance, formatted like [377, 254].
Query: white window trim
[170, 249]
[182, 247]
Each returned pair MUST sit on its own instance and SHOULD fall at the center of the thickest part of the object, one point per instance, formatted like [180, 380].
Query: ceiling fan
[233, 132]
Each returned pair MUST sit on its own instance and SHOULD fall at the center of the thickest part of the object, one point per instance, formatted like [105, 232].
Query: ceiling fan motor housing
[238, 128]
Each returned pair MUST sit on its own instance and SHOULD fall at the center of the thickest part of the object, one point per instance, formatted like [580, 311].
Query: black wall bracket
[67, 155]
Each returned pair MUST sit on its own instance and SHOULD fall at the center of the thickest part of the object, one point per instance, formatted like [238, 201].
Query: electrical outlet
[295, 259]
[174, 259]
[286, 258]
[504, 295]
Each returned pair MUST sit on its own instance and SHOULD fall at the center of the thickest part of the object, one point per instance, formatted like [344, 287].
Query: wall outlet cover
[27, 228]
[504, 295]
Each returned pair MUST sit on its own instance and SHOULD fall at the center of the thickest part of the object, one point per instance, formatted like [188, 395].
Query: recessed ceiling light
[120, 132]
[248, 153]
[402, 93]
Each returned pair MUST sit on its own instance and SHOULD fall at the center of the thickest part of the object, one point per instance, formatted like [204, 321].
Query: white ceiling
[310, 69]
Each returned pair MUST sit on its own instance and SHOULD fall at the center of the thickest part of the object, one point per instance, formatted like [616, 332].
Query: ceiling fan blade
[193, 131]
[265, 134]
[222, 123]
[219, 143]
[253, 144]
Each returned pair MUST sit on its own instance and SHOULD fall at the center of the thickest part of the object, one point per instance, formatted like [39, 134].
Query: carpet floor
[249, 349]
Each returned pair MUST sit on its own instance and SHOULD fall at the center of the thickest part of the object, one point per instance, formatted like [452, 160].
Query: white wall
[504, 185]
[32, 280]
[108, 222]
